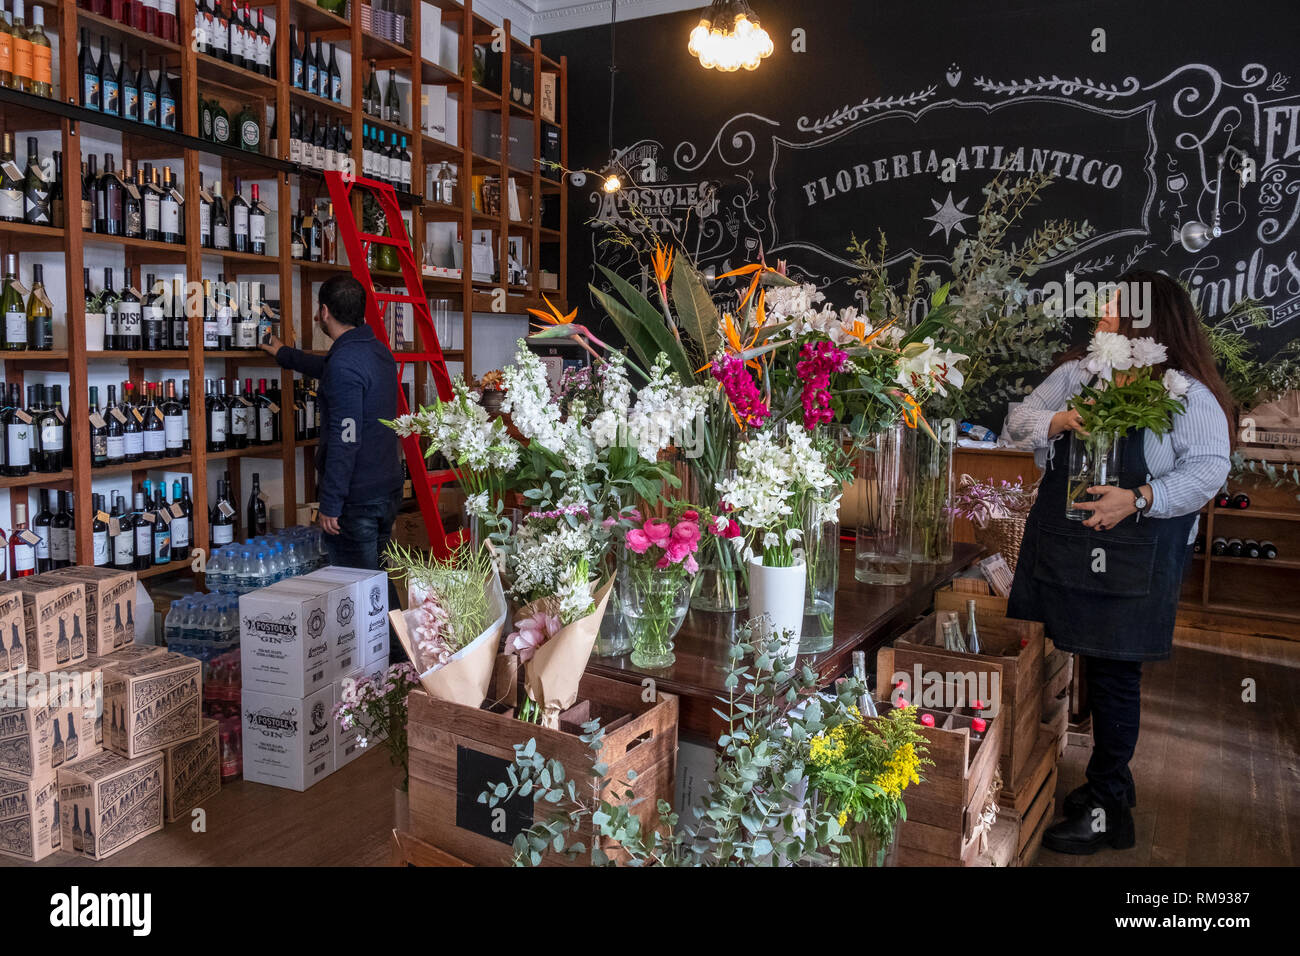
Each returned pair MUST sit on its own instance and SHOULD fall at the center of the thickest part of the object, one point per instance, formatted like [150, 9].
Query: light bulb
[612, 183]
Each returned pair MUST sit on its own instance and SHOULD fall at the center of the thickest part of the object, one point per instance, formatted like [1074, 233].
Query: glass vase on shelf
[720, 584]
[654, 604]
[884, 545]
[821, 553]
[866, 847]
[1094, 460]
[931, 491]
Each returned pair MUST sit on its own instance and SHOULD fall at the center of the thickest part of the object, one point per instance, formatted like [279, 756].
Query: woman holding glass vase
[1105, 547]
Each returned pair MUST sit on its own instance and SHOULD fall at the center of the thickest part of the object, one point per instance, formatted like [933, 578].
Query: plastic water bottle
[172, 625]
[248, 580]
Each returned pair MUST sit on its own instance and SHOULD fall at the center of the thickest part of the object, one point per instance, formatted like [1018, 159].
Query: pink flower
[817, 361]
[690, 514]
[531, 633]
[662, 563]
[686, 531]
[658, 532]
[638, 541]
[691, 565]
[741, 390]
[678, 550]
[609, 522]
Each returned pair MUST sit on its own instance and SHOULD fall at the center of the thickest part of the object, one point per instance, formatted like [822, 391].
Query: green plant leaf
[695, 309]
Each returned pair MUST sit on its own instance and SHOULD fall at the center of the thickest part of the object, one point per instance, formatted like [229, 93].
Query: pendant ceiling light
[728, 37]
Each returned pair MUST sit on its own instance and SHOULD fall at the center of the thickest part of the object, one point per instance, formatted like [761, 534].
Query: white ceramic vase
[776, 601]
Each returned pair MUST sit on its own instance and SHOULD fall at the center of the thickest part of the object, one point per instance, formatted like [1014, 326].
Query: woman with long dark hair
[1120, 611]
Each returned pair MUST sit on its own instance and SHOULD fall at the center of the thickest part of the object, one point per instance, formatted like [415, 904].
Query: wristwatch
[1140, 501]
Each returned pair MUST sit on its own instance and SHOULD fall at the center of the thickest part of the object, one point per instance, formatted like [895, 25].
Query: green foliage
[1278, 474]
[460, 582]
[750, 815]
[1250, 380]
[1139, 400]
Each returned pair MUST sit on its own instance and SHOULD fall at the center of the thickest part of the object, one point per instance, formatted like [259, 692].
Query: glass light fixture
[612, 183]
[728, 37]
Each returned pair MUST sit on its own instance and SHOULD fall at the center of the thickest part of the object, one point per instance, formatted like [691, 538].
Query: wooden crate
[457, 751]
[943, 809]
[1013, 650]
[947, 599]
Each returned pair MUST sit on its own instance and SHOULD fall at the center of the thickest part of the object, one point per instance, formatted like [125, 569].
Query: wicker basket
[1003, 535]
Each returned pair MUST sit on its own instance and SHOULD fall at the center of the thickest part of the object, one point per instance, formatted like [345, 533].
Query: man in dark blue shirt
[358, 461]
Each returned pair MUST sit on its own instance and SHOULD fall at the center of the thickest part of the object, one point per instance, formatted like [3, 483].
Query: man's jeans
[364, 531]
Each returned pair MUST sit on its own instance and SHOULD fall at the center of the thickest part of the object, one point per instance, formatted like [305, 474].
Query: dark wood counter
[866, 616]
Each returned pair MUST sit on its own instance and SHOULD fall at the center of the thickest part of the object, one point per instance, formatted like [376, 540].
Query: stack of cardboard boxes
[97, 731]
[301, 640]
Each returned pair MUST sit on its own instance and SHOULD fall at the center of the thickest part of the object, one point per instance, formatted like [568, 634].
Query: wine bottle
[41, 526]
[336, 77]
[246, 329]
[168, 23]
[155, 432]
[1240, 501]
[217, 414]
[115, 436]
[392, 101]
[36, 187]
[130, 93]
[121, 531]
[1267, 550]
[99, 532]
[56, 191]
[150, 202]
[257, 524]
[132, 201]
[295, 135]
[185, 413]
[98, 432]
[14, 308]
[88, 181]
[129, 314]
[162, 531]
[972, 630]
[239, 218]
[11, 183]
[295, 60]
[257, 225]
[310, 68]
[22, 46]
[110, 91]
[224, 292]
[322, 73]
[182, 511]
[6, 76]
[220, 222]
[133, 431]
[148, 95]
[41, 51]
[240, 413]
[109, 299]
[142, 521]
[22, 552]
[250, 130]
[173, 421]
[60, 529]
[110, 199]
[166, 99]
[268, 416]
[65, 423]
[299, 413]
[153, 322]
[209, 317]
[1236, 548]
[179, 321]
[40, 314]
[265, 52]
[221, 521]
[89, 68]
[171, 222]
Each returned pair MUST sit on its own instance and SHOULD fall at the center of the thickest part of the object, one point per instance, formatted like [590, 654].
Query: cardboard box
[77, 699]
[30, 828]
[372, 607]
[51, 721]
[127, 654]
[347, 746]
[13, 635]
[110, 604]
[341, 618]
[109, 802]
[152, 702]
[288, 742]
[549, 103]
[54, 611]
[192, 771]
[283, 648]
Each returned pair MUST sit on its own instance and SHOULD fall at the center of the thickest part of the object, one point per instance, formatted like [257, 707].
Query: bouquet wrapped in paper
[452, 631]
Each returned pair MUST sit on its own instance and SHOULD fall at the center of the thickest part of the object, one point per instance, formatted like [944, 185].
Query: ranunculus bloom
[638, 541]
[686, 531]
[690, 515]
[691, 564]
[678, 550]
[658, 532]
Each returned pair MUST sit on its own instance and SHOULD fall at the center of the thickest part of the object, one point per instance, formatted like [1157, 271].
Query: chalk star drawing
[948, 217]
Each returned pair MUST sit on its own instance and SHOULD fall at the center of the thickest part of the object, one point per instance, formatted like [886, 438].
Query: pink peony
[678, 550]
[531, 633]
[638, 541]
[686, 531]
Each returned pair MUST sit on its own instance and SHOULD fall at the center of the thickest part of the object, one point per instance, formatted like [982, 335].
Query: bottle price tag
[130, 189]
[205, 194]
[44, 299]
[117, 413]
[175, 195]
[97, 420]
[12, 171]
[245, 402]
[136, 412]
[275, 409]
[165, 516]
[307, 222]
[114, 527]
[22, 416]
[20, 288]
[102, 516]
[58, 413]
[148, 517]
[27, 536]
[261, 496]
[315, 513]
[177, 510]
[157, 413]
[225, 509]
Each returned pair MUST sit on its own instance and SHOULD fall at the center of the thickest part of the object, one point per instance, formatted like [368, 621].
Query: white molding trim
[520, 13]
[553, 16]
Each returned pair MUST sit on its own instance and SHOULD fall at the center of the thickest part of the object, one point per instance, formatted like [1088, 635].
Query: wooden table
[866, 616]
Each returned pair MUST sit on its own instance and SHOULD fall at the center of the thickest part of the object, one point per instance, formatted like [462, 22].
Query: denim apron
[1110, 594]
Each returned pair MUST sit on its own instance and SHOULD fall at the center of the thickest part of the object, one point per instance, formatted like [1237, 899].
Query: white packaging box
[433, 110]
[288, 742]
[372, 607]
[282, 645]
[430, 31]
[347, 747]
[341, 619]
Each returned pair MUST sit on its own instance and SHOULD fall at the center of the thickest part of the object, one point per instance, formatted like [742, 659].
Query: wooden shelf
[159, 357]
[158, 570]
[306, 15]
[32, 238]
[1279, 564]
[435, 74]
[1253, 512]
[303, 98]
[252, 451]
[158, 464]
[136, 40]
[236, 79]
[36, 478]
[30, 356]
[172, 250]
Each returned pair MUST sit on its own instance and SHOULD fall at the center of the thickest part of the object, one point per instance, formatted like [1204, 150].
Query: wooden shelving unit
[24, 113]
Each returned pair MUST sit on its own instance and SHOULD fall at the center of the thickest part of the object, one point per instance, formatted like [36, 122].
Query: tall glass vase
[884, 545]
[865, 847]
[1094, 460]
[821, 551]
[931, 492]
[654, 604]
[721, 584]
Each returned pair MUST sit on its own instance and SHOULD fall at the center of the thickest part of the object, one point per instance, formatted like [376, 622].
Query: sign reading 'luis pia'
[918, 175]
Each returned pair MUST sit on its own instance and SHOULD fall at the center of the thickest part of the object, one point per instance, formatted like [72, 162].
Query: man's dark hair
[345, 297]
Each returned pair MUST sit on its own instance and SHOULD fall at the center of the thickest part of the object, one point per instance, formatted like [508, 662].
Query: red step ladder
[427, 484]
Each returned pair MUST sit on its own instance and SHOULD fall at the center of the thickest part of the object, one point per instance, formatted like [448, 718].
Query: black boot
[1080, 798]
[1094, 828]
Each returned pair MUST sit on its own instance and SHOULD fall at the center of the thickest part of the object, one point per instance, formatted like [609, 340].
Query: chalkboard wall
[850, 136]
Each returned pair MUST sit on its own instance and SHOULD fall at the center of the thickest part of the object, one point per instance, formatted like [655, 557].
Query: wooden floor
[1218, 778]
[1218, 781]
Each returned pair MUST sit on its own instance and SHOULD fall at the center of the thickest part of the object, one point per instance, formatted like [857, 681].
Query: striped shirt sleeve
[1201, 457]
[1029, 422]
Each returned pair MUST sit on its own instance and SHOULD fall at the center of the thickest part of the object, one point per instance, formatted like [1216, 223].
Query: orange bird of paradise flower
[553, 317]
[756, 269]
[662, 261]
